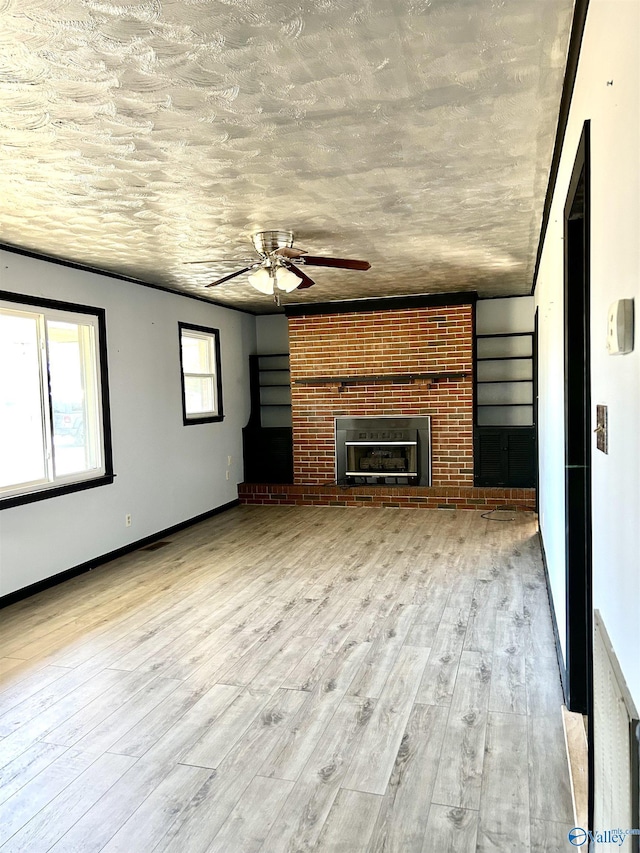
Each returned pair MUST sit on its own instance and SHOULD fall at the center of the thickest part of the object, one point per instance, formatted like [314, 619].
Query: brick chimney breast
[400, 362]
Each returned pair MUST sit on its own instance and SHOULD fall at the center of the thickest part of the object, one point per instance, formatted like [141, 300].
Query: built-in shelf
[267, 439]
[503, 335]
[504, 358]
[504, 436]
[270, 408]
[503, 384]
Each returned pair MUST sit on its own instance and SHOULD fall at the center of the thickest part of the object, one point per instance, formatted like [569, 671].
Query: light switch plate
[602, 428]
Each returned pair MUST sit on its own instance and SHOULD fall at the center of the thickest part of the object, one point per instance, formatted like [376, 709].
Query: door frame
[577, 431]
[535, 393]
[578, 443]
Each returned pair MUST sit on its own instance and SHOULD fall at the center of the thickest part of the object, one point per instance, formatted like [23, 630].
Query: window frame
[205, 418]
[65, 484]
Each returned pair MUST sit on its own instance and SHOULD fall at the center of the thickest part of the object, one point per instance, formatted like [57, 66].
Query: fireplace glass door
[382, 454]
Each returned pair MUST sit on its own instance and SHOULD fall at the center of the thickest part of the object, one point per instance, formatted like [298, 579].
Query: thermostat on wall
[620, 327]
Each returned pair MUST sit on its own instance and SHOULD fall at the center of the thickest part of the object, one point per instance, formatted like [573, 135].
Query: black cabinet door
[268, 454]
[505, 456]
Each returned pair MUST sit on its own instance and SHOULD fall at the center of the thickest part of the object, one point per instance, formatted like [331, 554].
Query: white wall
[607, 92]
[166, 472]
[272, 332]
[514, 314]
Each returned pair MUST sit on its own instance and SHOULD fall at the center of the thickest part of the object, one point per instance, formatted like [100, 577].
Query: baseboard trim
[556, 633]
[54, 580]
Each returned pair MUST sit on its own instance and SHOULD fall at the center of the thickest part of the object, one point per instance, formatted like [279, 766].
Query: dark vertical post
[577, 428]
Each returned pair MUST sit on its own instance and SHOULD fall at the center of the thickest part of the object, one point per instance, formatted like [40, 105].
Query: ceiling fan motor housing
[266, 242]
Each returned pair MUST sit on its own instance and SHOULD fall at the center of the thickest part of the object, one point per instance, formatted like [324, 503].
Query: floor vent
[615, 753]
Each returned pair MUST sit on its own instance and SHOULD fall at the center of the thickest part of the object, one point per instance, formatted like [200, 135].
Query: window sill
[208, 419]
[55, 491]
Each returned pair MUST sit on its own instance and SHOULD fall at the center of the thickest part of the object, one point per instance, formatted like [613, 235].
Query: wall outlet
[127, 520]
[227, 475]
[229, 458]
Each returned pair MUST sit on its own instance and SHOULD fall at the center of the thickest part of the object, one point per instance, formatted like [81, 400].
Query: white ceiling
[137, 135]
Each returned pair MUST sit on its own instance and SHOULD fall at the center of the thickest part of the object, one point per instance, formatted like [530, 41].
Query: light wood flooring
[289, 679]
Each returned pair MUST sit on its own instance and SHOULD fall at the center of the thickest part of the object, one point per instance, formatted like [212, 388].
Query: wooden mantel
[392, 378]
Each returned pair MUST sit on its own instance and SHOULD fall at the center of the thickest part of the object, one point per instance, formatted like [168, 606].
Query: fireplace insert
[383, 450]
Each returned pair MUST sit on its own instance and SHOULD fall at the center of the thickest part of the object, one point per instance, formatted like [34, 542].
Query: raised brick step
[420, 497]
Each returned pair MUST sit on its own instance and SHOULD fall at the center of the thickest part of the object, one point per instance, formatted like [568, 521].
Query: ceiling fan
[275, 271]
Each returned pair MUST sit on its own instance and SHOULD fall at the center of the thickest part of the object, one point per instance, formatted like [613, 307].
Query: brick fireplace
[406, 362]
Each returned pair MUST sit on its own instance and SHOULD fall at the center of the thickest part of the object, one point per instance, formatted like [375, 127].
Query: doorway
[577, 431]
[577, 434]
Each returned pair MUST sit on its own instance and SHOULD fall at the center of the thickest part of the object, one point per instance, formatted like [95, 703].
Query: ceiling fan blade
[340, 263]
[289, 252]
[306, 281]
[228, 277]
[219, 261]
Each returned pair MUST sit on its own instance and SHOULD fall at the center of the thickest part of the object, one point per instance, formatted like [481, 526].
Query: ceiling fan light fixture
[287, 280]
[262, 281]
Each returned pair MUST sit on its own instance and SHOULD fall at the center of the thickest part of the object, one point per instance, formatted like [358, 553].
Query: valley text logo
[579, 836]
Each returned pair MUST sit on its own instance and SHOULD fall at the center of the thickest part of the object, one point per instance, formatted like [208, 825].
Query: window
[52, 399]
[201, 377]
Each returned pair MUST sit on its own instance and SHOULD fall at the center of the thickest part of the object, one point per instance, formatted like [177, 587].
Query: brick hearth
[420, 497]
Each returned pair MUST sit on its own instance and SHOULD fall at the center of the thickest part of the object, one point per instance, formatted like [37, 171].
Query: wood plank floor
[284, 679]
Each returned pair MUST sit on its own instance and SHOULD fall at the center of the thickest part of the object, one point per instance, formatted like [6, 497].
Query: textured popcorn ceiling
[417, 134]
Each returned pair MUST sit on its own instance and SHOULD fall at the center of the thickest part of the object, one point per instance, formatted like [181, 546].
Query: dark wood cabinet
[505, 456]
[268, 454]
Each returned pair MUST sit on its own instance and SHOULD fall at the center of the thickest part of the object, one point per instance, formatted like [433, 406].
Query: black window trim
[205, 419]
[108, 476]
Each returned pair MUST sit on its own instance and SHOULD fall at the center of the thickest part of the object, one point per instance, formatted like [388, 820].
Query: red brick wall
[416, 340]
[406, 497]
